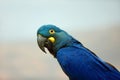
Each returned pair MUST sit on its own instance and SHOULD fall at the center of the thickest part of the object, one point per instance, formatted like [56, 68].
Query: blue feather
[80, 64]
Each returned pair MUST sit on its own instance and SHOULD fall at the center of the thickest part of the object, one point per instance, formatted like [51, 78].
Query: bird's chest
[73, 64]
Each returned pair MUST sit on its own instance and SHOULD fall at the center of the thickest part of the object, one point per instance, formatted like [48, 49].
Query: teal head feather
[61, 38]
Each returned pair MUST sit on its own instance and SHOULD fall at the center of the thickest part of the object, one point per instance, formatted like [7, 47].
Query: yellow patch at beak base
[52, 39]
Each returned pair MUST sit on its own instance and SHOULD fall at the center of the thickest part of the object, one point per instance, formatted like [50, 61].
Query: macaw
[77, 61]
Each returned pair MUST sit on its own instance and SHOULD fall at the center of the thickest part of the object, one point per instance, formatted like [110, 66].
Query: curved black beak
[44, 42]
[41, 42]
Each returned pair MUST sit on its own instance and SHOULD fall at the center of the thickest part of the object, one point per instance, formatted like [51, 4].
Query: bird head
[53, 38]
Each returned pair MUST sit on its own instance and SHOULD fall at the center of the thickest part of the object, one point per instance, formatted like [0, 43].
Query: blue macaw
[78, 62]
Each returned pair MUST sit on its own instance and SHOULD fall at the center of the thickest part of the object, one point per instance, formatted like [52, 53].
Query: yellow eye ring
[51, 31]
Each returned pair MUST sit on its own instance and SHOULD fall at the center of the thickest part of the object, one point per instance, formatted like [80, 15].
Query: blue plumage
[78, 62]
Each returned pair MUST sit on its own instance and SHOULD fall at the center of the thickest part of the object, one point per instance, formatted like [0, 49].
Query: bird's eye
[51, 31]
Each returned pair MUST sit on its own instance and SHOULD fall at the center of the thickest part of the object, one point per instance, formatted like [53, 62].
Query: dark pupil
[51, 30]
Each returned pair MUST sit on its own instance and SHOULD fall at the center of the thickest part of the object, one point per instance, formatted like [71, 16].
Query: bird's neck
[64, 41]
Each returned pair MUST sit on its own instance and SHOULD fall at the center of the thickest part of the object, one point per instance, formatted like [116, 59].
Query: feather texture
[80, 64]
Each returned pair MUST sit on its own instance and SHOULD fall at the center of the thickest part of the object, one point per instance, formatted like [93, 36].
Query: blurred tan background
[94, 23]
